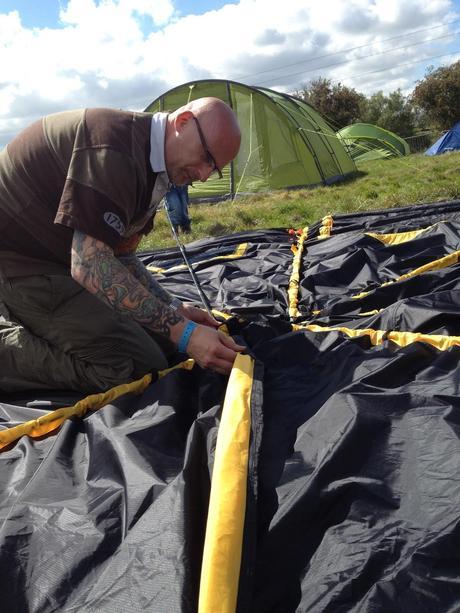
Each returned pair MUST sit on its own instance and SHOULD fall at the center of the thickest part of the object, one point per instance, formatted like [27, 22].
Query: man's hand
[198, 316]
[96, 268]
[213, 349]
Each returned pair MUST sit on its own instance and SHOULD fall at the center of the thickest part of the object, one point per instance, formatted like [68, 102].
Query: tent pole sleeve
[220, 571]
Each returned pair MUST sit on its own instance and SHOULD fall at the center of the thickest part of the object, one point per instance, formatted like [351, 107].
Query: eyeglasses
[209, 156]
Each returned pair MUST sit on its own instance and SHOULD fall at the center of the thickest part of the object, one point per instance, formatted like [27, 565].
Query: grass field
[380, 184]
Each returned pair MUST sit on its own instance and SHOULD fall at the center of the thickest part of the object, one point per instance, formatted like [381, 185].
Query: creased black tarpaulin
[353, 487]
[251, 283]
[112, 513]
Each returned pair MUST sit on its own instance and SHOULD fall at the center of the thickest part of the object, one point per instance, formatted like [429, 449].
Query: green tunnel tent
[366, 141]
[285, 142]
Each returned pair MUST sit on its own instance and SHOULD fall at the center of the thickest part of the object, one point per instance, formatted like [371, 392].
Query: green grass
[379, 185]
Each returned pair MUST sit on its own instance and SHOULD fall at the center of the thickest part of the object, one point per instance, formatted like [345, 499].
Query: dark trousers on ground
[56, 335]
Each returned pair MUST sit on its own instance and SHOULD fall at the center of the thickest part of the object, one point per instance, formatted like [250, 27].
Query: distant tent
[285, 142]
[450, 141]
[368, 142]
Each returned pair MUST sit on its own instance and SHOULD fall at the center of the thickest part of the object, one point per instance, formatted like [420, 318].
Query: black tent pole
[204, 299]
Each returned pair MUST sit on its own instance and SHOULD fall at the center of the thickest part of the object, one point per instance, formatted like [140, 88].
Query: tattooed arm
[138, 270]
[95, 267]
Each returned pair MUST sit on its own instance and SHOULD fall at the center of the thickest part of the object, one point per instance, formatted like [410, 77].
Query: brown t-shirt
[86, 170]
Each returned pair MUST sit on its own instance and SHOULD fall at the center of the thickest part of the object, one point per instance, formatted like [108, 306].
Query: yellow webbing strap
[51, 421]
[227, 504]
[238, 253]
[444, 262]
[293, 288]
[326, 227]
[377, 337]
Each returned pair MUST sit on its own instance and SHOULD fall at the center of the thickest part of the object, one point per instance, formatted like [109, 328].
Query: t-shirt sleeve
[99, 195]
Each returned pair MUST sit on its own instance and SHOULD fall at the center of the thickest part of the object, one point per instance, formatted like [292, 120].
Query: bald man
[78, 190]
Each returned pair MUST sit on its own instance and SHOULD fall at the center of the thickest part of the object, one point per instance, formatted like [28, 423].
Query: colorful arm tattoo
[138, 270]
[102, 274]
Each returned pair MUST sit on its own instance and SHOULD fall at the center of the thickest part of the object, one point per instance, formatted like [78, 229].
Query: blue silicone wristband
[186, 334]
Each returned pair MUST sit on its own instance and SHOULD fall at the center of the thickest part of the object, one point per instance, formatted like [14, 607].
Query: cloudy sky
[57, 55]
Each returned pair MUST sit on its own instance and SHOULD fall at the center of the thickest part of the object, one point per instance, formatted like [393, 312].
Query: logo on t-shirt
[114, 222]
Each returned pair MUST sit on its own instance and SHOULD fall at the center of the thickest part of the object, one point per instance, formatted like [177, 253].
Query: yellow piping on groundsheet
[54, 419]
[377, 337]
[397, 238]
[220, 569]
[389, 239]
[293, 288]
[238, 253]
[444, 262]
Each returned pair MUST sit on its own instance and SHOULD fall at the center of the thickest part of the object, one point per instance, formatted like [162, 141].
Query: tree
[438, 96]
[339, 104]
[394, 112]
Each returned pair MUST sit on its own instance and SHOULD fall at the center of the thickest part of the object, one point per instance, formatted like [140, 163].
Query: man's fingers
[225, 353]
[223, 358]
[230, 343]
[213, 349]
[210, 321]
[199, 316]
[222, 367]
[222, 364]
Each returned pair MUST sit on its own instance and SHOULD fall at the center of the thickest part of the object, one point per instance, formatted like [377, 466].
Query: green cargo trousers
[56, 335]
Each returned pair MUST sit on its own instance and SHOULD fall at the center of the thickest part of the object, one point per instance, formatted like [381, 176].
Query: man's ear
[181, 119]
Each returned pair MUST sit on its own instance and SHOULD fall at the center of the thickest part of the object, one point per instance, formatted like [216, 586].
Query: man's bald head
[186, 158]
[220, 127]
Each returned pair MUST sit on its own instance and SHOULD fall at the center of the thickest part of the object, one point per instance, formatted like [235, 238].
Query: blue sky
[124, 53]
[45, 13]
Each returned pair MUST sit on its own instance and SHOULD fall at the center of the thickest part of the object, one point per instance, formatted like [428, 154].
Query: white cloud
[107, 14]
[124, 53]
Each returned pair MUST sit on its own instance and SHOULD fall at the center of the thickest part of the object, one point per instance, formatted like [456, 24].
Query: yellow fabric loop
[220, 569]
[293, 288]
[326, 227]
[238, 253]
[377, 337]
[444, 262]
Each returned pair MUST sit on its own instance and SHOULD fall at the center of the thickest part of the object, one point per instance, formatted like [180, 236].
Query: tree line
[432, 106]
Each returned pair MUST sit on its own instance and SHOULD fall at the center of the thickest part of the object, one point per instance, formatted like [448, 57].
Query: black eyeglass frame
[206, 149]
